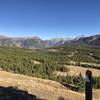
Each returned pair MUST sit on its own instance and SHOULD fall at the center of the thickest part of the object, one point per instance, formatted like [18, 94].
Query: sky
[49, 18]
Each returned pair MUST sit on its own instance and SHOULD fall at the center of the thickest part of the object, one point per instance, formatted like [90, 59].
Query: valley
[49, 49]
[46, 68]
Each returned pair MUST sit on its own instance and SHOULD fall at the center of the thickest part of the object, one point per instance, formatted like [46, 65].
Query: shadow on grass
[61, 98]
[11, 93]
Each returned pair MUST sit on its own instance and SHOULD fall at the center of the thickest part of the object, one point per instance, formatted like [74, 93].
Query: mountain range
[36, 42]
[31, 42]
[91, 40]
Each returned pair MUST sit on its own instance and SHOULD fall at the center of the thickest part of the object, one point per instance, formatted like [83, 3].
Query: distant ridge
[91, 40]
[37, 42]
[30, 42]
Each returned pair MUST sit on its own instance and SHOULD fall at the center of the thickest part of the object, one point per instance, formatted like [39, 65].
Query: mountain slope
[45, 89]
[36, 42]
[30, 42]
[91, 40]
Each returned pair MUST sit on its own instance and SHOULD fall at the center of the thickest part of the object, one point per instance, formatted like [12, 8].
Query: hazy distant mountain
[2, 37]
[56, 41]
[91, 40]
[36, 42]
[30, 42]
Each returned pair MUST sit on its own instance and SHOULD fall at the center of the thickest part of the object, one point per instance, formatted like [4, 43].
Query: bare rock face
[91, 40]
[36, 42]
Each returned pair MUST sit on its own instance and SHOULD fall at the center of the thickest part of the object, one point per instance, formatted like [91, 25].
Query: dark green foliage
[96, 82]
[90, 66]
[62, 68]
[75, 80]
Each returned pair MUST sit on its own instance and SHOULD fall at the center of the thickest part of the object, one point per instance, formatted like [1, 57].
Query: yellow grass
[36, 62]
[46, 89]
[41, 88]
[76, 70]
[53, 50]
[92, 64]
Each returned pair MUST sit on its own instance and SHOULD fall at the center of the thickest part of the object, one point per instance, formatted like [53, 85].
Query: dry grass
[53, 50]
[36, 62]
[92, 64]
[46, 89]
[42, 88]
[76, 70]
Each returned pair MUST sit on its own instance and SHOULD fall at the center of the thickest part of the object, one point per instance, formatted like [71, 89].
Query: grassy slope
[76, 70]
[41, 88]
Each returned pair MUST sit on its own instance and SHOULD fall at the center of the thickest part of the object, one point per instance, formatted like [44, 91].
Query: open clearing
[46, 89]
[92, 64]
[76, 70]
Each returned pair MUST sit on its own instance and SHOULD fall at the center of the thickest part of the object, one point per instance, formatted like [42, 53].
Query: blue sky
[49, 18]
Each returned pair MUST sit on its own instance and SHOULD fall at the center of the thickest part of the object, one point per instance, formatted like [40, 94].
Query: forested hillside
[43, 63]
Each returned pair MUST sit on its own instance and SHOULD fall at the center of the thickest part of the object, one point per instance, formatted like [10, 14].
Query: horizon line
[30, 36]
